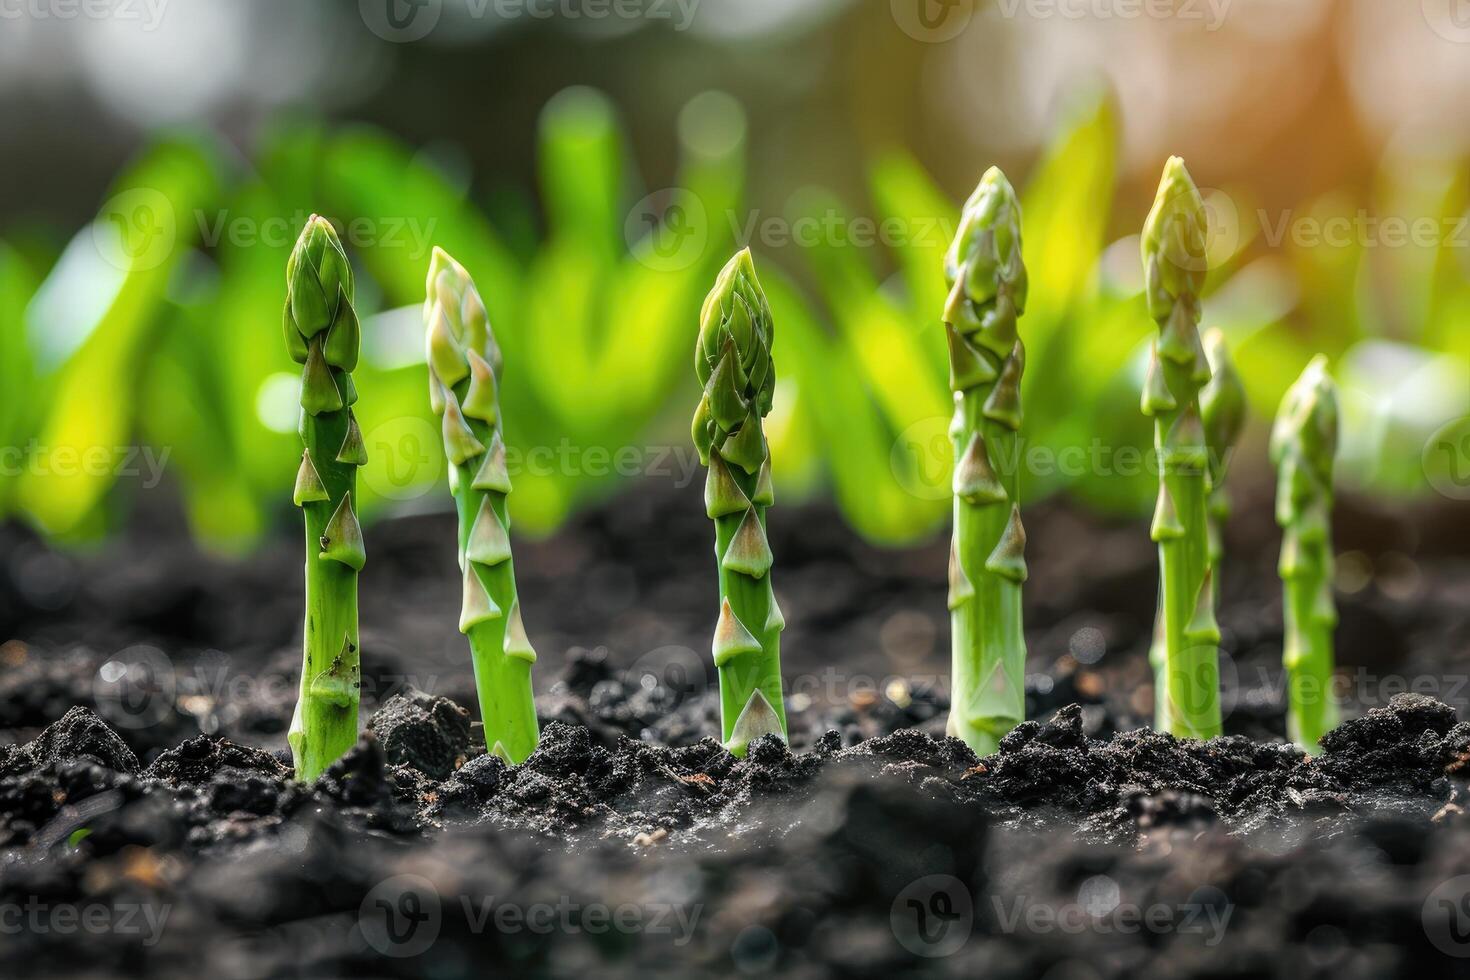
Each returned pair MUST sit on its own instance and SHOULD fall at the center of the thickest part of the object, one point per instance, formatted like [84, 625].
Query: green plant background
[158, 323]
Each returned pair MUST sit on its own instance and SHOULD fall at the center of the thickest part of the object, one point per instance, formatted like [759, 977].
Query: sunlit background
[594, 162]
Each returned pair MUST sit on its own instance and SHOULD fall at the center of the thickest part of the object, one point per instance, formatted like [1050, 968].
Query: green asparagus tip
[464, 377]
[1174, 236]
[1308, 419]
[987, 278]
[732, 359]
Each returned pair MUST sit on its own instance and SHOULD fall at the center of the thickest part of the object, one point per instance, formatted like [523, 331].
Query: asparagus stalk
[1222, 406]
[464, 379]
[1303, 445]
[987, 564]
[322, 334]
[1174, 264]
[733, 363]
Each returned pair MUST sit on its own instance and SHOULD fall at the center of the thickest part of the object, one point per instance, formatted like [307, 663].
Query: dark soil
[149, 824]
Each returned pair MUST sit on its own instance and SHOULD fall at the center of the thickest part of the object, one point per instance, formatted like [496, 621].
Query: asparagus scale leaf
[732, 360]
[987, 293]
[1222, 407]
[464, 379]
[322, 335]
[1303, 449]
[1174, 265]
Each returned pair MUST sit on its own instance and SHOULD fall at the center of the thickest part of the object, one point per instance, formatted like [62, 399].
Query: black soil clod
[431, 734]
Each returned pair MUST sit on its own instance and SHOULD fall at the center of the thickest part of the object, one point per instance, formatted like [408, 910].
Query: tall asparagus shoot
[987, 563]
[733, 363]
[1303, 446]
[464, 383]
[1222, 406]
[1174, 265]
[323, 335]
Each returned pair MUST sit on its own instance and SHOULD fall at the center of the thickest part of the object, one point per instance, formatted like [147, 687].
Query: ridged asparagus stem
[1222, 405]
[733, 363]
[1174, 266]
[323, 335]
[464, 378]
[1303, 447]
[987, 563]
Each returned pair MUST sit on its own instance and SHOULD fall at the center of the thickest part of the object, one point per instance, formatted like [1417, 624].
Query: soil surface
[149, 824]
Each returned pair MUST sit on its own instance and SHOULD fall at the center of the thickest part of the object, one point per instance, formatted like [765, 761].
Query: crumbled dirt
[812, 850]
[150, 824]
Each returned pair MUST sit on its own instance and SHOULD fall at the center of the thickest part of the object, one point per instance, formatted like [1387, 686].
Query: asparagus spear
[1174, 264]
[987, 564]
[733, 362]
[1303, 445]
[323, 335]
[1222, 406]
[464, 378]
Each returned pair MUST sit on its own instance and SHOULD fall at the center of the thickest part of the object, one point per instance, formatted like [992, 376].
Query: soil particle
[431, 734]
[80, 734]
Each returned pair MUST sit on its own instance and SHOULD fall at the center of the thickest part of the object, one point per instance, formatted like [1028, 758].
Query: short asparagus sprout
[1222, 406]
[1174, 265]
[733, 363]
[322, 334]
[987, 563]
[464, 379]
[1303, 446]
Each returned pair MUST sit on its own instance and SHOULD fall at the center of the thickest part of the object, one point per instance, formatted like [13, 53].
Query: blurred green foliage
[159, 324]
